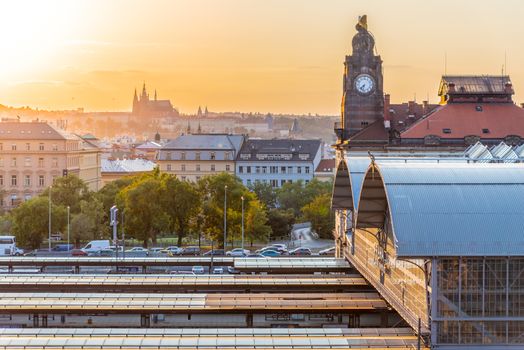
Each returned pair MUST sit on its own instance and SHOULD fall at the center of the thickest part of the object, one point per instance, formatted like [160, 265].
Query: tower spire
[155, 94]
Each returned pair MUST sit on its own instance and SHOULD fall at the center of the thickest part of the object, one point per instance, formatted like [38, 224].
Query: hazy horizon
[243, 55]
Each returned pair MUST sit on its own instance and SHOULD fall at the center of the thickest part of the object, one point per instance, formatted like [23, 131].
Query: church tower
[362, 101]
[135, 103]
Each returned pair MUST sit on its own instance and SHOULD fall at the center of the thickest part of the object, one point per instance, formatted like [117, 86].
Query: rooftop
[279, 149]
[127, 165]
[32, 131]
[205, 141]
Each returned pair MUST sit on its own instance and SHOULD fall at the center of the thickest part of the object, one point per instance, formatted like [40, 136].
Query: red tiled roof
[463, 119]
[326, 165]
[373, 132]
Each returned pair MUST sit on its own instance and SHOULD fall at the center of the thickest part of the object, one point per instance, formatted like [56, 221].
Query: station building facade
[442, 243]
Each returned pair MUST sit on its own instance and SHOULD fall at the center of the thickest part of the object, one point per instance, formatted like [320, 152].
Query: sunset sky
[244, 55]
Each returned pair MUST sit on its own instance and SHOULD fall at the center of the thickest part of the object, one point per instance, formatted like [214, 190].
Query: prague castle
[154, 108]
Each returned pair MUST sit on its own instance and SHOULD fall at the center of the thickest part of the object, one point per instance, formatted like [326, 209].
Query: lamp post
[225, 217]
[68, 230]
[49, 229]
[242, 198]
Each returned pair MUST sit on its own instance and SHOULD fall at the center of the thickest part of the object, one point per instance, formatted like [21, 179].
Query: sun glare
[31, 34]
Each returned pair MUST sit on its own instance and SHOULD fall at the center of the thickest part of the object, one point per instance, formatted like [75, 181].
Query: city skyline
[258, 56]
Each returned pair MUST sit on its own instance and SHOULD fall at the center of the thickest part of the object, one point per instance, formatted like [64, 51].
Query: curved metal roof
[448, 209]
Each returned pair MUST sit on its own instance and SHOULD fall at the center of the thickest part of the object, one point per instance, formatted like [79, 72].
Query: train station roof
[147, 303]
[209, 338]
[446, 209]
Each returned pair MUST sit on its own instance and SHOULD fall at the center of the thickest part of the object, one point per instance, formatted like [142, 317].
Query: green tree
[292, 196]
[281, 222]
[31, 221]
[82, 227]
[145, 217]
[318, 212]
[5, 224]
[256, 223]
[181, 202]
[212, 190]
[109, 193]
[68, 191]
[265, 193]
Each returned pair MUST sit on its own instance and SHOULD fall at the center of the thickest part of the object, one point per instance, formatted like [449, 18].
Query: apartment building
[33, 154]
[191, 157]
[278, 161]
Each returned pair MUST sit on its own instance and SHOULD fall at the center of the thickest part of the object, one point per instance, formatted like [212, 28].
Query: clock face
[364, 84]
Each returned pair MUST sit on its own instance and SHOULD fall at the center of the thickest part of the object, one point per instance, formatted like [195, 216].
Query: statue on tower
[363, 42]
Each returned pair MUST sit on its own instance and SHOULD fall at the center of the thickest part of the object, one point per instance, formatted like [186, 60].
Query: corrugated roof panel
[456, 209]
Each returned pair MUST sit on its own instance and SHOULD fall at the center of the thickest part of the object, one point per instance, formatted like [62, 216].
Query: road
[304, 237]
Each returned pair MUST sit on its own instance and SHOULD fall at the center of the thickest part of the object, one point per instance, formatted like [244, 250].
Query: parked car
[194, 251]
[103, 252]
[198, 270]
[175, 250]
[78, 252]
[137, 249]
[63, 247]
[185, 273]
[328, 251]
[255, 255]
[300, 251]
[18, 251]
[219, 270]
[270, 253]
[280, 246]
[232, 270]
[120, 248]
[215, 252]
[238, 252]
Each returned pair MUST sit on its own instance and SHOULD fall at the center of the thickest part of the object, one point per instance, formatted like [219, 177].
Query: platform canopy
[446, 209]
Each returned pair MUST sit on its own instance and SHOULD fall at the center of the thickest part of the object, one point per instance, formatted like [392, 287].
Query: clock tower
[362, 101]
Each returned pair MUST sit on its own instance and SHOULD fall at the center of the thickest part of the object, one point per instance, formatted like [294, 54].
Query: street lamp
[68, 231]
[49, 231]
[242, 198]
[225, 217]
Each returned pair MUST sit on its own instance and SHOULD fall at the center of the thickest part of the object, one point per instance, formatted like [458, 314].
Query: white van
[7, 245]
[95, 246]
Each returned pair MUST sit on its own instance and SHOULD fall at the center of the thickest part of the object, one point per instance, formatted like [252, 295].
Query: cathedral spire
[199, 131]
[188, 130]
[199, 113]
[155, 94]
[135, 103]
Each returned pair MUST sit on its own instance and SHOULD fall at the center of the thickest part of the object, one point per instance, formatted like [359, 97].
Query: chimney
[508, 88]
[451, 87]
[425, 107]
[411, 107]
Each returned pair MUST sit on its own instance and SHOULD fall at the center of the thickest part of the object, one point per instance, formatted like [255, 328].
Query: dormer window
[478, 108]
[485, 131]
[446, 131]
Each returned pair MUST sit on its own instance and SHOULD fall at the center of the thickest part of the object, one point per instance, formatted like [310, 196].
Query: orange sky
[243, 55]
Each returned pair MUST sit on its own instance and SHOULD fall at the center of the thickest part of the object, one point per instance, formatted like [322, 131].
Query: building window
[485, 131]
[1, 146]
[41, 146]
[1, 180]
[446, 131]
[212, 167]
[273, 169]
[168, 167]
[27, 146]
[197, 168]
[299, 170]
[257, 170]
[283, 170]
[13, 147]
[282, 182]
[248, 169]
[226, 155]
[364, 123]
[197, 156]
[13, 180]
[13, 199]
[228, 167]
[183, 156]
[198, 178]
[27, 180]
[55, 147]
[290, 170]
[183, 178]
[13, 161]
[264, 170]
[248, 182]
[274, 183]
[40, 162]
[212, 156]
[1, 162]
[307, 169]
[183, 167]
[41, 181]
[168, 155]
[27, 161]
[54, 163]
[307, 181]
[240, 169]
